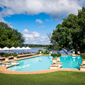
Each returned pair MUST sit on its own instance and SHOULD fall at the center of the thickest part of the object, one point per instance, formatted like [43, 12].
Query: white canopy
[23, 48]
[28, 48]
[18, 48]
[5, 48]
[0, 49]
[12, 48]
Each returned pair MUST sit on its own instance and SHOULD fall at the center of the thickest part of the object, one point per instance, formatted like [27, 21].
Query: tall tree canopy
[71, 33]
[9, 37]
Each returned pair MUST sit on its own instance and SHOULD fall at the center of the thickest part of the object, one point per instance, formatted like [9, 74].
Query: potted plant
[51, 51]
[58, 56]
[54, 59]
[83, 60]
[78, 52]
[73, 51]
[39, 51]
[6, 55]
[15, 56]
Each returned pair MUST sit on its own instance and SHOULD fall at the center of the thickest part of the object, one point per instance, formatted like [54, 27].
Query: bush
[6, 55]
[46, 52]
[38, 52]
[53, 55]
[73, 49]
[15, 55]
[83, 55]
[50, 49]
[58, 54]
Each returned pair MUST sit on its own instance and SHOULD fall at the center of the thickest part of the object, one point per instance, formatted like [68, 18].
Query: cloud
[25, 31]
[35, 38]
[47, 20]
[54, 8]
[2, 20]
[41, 26]
[38, 20]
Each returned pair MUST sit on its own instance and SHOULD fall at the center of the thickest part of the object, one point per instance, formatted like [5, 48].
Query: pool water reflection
[44, 62]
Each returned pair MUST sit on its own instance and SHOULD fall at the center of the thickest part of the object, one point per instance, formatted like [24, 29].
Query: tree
[8, 38]
[71, 33]
[18, 35]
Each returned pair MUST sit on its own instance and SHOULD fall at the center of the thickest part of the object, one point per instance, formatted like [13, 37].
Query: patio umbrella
[23, 48]
[18, 48]
[12, 48]
[6, 48]
[27, 48]
[0, 49]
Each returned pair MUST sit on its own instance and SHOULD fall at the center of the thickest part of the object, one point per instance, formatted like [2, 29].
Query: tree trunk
[65, 51]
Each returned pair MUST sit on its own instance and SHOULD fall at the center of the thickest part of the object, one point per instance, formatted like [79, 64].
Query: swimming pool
[44, 62]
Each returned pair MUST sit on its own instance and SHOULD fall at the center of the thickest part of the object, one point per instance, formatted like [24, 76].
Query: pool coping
[6, 71]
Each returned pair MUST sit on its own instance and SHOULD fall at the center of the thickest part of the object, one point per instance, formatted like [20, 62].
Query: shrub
[15, 55]
[58, 54]
[73, 49]
[50, 49]
[83, 55]
[38, 52]
[46, 52]
[53, 55]
[6, 55]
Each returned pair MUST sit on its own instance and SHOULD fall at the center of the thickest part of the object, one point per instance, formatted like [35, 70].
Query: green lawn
[53, 78]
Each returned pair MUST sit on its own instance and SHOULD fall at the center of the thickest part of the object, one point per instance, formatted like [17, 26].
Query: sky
[37, 18]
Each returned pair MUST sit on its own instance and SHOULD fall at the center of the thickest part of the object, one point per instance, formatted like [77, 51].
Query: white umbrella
[23, 48]
[6, 49]
[18, 48]
[1, 49]
[27, 48]
[12, 48]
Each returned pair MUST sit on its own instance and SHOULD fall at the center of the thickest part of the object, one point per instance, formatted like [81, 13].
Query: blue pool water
[44, 62]
[0, 64]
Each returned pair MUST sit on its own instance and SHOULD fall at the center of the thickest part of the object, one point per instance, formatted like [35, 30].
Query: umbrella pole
[8, 51]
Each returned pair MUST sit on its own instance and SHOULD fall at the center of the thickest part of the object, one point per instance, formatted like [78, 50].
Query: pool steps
[13, 63]
[56, 65]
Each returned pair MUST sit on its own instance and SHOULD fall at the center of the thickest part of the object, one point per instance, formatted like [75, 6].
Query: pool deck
[6, 71]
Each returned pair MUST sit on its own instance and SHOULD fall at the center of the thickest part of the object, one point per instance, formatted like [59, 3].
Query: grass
[53, 78]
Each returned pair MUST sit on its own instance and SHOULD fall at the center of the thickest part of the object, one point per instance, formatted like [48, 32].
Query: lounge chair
[1, 58]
